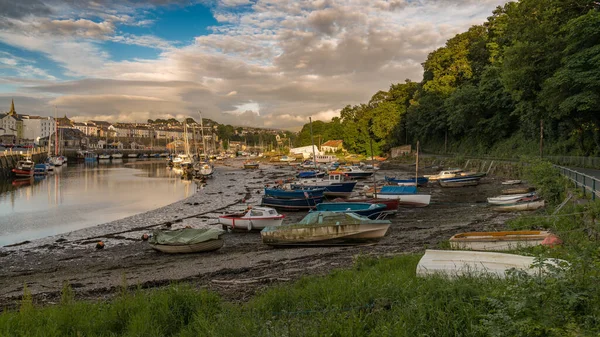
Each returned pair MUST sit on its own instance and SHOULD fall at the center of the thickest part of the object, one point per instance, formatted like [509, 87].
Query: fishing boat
[40, 170]
[291, 204]
[334, 185]
[508, 199]
[326, 228]
[294, 194]
[251, 165]
[310, 174]
[253, 218]
[506, 240]
[406, 195]
[187, 240]
[361, 208]
[523, 204]
[511, 182]
[519, 190]
[390, 204]
[420, 181]
[459, 181]
[24, 168]
[455, 263]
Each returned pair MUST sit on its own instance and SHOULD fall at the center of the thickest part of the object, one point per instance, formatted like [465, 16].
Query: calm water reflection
[83, 195]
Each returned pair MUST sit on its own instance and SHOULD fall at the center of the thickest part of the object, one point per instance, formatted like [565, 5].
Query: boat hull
[518, 190]
[525, 206]
[459, 182]
[22, 173]
[391, 204]
[206, 246]
[408, 200]
[294, 194]
[343, 189]
[364, 209]
[507, 240]
[238, 221]
[508, 199]
[292, 204]
[420, 181]
[324, 235]
[250, 166]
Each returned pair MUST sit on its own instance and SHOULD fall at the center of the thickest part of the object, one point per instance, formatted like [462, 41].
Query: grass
[377, 297]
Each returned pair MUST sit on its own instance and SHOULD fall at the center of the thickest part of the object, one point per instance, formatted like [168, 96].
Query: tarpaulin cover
[184, 236]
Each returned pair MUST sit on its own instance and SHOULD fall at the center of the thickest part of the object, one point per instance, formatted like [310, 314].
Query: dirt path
[244, 265]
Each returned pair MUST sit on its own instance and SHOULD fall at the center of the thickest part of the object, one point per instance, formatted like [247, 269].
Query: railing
[583, 181]
[37, 150]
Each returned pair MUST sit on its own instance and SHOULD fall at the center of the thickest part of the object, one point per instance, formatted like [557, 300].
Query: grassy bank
[377, 297]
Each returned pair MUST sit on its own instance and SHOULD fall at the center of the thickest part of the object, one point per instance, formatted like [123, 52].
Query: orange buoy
[100, 245]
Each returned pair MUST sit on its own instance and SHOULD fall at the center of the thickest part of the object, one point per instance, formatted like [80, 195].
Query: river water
[83, 195]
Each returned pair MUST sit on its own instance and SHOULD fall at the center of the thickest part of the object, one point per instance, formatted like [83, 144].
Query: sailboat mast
[202, 133]
[55, 133]
[312, 140]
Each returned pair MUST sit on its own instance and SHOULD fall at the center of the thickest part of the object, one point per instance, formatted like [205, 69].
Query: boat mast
[202, 132]
[312, 142]
[55, 133]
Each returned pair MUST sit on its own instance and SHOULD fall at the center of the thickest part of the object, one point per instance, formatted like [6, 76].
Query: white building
[306, 151]
[36, 127]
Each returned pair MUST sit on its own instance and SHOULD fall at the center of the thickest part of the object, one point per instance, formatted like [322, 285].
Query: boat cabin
[261, 211]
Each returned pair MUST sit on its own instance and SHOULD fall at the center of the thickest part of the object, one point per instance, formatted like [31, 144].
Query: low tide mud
[244, 265]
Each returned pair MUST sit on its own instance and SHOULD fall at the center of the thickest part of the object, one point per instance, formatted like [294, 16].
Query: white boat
[117, 155]
[451, 173]
[511, 182]
[254, 218]
[455, 263]
[104, 156]
[505, 240]
[508, 199]
[56, 160]
[287, 159]
[521, 206]
[132, 155]
[408, 200]
[181, 160]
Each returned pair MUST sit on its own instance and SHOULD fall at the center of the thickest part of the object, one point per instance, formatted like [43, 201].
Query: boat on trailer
[253, 218]
[326, 228]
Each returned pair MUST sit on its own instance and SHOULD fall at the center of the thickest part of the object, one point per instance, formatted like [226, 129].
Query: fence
[581, 180]
[37, 150]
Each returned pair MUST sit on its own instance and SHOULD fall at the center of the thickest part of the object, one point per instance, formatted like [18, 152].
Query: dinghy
[508, 199]
[456, 263]
[253, 218]
[520, 206]
[186, 240]
[520, 190]
[506, 240]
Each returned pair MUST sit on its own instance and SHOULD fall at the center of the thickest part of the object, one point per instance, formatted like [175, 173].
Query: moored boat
[459, 181]
[390, 204]
[104, 156]
[326, 228]
[450, 173]
[187, 240]
[310, 174]
[522, 205]
[456, 263]
[511, 182]
[294, 194]
[117, 155]
[361, 208]
[355, 172]
[420, 181]
[251, 165]
[406, 195]
[505, 240]
[40, 170]
[24, 168]
[508, 199]
[291, 204]
[253, 218]
[132, 155]
[334, 185]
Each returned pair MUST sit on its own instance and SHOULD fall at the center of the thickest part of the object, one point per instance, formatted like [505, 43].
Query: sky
[261, 63]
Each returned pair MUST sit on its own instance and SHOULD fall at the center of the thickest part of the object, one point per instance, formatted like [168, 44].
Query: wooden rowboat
[187, 240]
[456, 263]
[505, 240]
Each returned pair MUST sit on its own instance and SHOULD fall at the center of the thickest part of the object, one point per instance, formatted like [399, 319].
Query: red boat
[24, 168]
[390, 204]
[21, 182]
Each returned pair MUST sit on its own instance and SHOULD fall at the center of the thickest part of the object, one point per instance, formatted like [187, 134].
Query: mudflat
[243, 265]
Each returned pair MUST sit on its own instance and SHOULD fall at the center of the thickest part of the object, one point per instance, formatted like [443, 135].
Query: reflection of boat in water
[22, 182]
[326, 228]
[187, 240]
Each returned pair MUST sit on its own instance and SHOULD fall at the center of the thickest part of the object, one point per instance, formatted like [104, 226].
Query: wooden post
[373, 163]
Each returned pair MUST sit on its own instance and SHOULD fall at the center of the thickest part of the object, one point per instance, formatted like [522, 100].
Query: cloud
[271, 63]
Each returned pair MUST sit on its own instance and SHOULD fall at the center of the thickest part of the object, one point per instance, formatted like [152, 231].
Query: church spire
[12, 108]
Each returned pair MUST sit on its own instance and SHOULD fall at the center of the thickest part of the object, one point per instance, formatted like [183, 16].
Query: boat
[253, 218]
[24, 168]
[455, 263]
[459, 181]
[251, 165]
[334, 185]
[406, 195]
[361, 208]
[326, 228]
[450, 173]
[132, 155]
[310, 174]
[117, 155]
[294, 194]
[308, 164]
[420, 181]
[390, 204]
[187, 240]
[104, 156]
[519, 190]
[508, 199]
[511, 182]
[522, 205]
[203, 168]
[291, 204]
[472, 174]
[182, 159]
[355, 172]
[40, 170]
[506, 240]
[287, 159]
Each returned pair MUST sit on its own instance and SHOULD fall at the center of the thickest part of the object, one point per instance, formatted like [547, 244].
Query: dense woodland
[490, 89]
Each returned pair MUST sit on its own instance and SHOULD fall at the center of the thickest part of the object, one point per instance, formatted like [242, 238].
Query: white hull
[508, 240]
[504, 199]
[407, 184]
[132, 155]
[511, 182]
[117, 155]
[56, 161]
[324, 235]
[455, 263]
[408, 200]
[249, 223]
[526, 206]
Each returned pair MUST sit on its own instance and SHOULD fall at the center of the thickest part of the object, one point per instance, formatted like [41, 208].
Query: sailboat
[204, 168]
[184, 159]
[55, 160]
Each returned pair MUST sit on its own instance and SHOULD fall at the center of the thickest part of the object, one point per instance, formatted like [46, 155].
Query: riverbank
[244, 265]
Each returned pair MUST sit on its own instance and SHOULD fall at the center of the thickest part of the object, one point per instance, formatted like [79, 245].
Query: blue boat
[310, 174]
[460, 181]
[360, 208]
[421, 181]
[294, 194]
[390, 189]
[342, 189]
[291, 204]
[40, 170]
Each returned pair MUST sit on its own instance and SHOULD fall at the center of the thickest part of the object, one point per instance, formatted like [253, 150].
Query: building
[400, 151]
[306, 151]
[11, 124]
[332, 146]
[36, 128]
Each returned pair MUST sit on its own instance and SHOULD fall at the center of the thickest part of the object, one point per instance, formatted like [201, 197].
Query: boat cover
[327, 217]
[399, 189]
[184, 236]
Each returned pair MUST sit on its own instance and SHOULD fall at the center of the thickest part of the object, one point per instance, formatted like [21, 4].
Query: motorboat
[334, 185]
[253, 218]
[24, 168]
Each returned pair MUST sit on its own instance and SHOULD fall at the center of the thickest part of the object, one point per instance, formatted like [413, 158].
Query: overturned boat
[326, 228]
